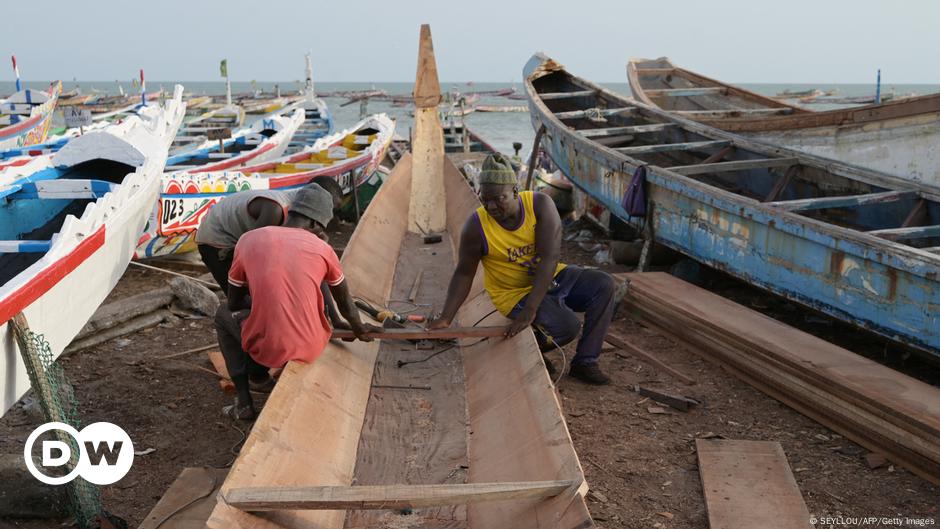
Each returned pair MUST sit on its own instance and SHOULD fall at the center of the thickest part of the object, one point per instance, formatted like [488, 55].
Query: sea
[499, 129]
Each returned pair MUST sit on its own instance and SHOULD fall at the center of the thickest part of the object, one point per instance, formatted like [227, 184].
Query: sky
[743, 41]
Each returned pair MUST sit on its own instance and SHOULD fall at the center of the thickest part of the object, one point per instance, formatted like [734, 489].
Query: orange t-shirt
[283, 269]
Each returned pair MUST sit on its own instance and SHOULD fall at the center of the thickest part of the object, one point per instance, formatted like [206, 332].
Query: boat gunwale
[639, 91]
[806, 118]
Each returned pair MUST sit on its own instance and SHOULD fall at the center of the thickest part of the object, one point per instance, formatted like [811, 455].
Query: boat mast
[426, 214]
[308, 84]
[223, 69]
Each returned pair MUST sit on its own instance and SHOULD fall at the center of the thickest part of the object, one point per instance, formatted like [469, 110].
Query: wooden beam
[737, 475]
[782, 183]
[616, 131]
[733, 112]
[686, 92]
[419, 333]
[720, 155]
[739, 165]
[664, 147]
[919, 211]
[549, 96]
[655, 71]
[808, 204]
[916, 232]
[577, 114]
[254, 499]
[642, 355]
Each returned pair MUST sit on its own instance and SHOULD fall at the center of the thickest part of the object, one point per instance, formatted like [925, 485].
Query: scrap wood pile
[183, 296]
[875, 406]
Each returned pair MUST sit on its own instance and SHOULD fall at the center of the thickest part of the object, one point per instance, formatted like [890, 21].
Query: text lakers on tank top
[509, 256]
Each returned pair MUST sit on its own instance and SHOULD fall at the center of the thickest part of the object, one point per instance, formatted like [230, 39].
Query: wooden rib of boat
[266, 139]
[336, 162]
[859, 245]
[68, 228]
[485, 446]
[898, 137]
[25, 117]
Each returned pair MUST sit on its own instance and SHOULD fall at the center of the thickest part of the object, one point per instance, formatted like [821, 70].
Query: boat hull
[62, 290]
[885, 287]
[906, 147]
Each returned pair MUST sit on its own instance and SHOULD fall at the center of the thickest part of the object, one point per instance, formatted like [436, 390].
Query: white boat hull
[60, 292]
[907, 147]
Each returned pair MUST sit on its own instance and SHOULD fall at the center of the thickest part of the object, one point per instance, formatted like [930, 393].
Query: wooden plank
[413, 293]
[416, 437]
[647, 357]
[808, 204]
[655, 71]
[188, 502]
[577, 114]
[686, 92]
[635, 129]
[733, 113]
[739, 165]
[749, 484]
[388, 496]
[419, 333]
[781, 184]
[917, 214]
[916, 232]
[720, 155]
[665, 147]
[871, 404]
[551, 96]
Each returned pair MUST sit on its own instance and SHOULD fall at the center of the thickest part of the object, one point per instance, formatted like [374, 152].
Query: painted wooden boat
[266, 139]
[194, 131]
[336, 162]
[898, 137]
[68, 230]
[489, 415]
[318, 122]
[859, 245]
[25, 117]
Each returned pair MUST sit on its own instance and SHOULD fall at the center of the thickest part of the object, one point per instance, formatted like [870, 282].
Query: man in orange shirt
[280, 270]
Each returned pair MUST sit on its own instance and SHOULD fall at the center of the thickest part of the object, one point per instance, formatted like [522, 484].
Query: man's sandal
[239, 413]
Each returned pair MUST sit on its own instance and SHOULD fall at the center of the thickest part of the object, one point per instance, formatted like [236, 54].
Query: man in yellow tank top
[517, 237]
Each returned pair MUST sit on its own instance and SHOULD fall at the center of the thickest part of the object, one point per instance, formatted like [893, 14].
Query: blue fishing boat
[856, 244]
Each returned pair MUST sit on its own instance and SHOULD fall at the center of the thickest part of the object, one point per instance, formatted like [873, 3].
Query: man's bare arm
[469, 254]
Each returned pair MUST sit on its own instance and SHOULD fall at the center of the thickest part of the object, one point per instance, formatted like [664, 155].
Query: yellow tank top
[509, 257]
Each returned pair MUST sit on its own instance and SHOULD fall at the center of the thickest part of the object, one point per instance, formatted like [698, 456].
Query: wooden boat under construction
[469, 435]
[859, 245]
[898, 137]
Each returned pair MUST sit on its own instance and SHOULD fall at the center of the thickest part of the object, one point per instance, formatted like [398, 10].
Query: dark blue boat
[859, 245]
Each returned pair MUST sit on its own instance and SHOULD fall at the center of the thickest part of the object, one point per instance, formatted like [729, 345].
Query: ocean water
[499, 129]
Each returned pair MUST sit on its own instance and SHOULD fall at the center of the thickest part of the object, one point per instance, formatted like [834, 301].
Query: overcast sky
[750, 41]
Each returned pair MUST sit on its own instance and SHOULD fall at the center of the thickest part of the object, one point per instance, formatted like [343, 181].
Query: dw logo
[105, 453]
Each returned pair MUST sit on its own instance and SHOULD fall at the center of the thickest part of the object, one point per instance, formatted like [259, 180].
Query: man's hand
[437, 323]
[522, 320]
[362, 329]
